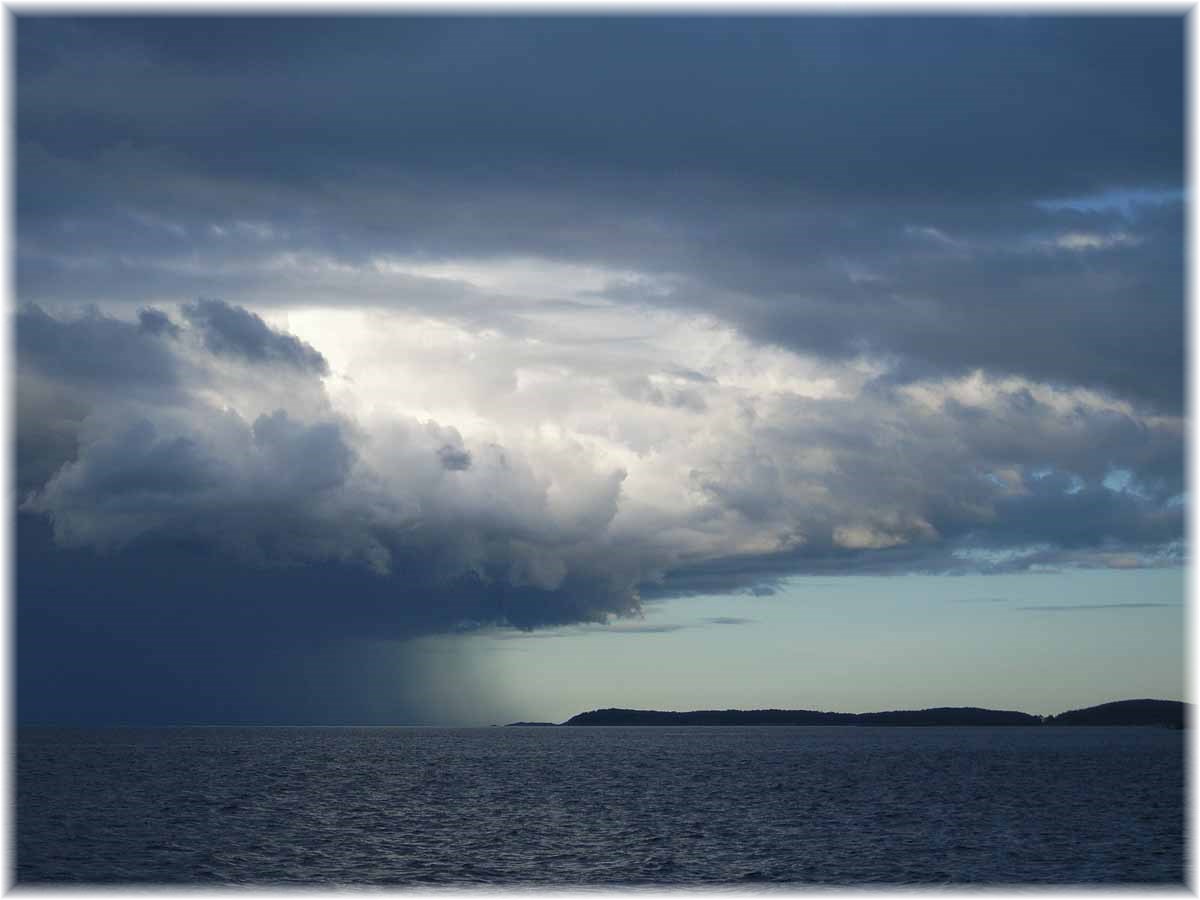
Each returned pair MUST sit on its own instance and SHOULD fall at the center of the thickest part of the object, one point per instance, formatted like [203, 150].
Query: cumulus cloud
[301, 484]
[568, 515]
[156, 322]
[94, 351]
[231, 330]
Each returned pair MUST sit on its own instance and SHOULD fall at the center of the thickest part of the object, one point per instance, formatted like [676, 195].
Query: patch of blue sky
[1127, 201]
[1123, 481]
[988, 556]
[1075, 484]
[1118, 479]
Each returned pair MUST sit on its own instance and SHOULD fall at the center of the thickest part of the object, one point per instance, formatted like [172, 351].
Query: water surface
[608, 806]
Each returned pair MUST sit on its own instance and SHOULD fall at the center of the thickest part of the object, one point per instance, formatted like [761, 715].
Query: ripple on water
[833, 806]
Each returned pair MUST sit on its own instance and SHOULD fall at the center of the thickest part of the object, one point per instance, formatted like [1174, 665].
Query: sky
[461, 370]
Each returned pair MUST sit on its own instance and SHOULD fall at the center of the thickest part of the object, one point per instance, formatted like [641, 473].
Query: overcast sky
[407, 369]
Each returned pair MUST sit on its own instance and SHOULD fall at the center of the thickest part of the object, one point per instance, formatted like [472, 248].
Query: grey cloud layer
[830, 185]
[939, 101]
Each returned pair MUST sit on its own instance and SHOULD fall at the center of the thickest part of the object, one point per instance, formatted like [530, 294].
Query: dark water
[615, 806]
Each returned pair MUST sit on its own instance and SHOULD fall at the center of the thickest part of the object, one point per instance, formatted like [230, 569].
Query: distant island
[1127, 712]
[1162, 713]
[944, 716]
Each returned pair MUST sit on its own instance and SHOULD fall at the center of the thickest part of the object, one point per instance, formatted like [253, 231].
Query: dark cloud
[63, 366]
[540, 94]
[660, 628]
[156, 322]
[726, 575]
[256, 490]
[232, 330]
[832, 185]
[454, 459]
[174, 630]
[1053, 512]
[93, 350]
[315, 456]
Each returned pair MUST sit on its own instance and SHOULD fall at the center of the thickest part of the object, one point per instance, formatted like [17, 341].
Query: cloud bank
[372, 328]
[565, 496]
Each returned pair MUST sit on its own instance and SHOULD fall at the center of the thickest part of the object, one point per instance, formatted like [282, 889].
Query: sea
[570, 807]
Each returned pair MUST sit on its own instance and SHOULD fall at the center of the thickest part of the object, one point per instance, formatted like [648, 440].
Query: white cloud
[1087, 240]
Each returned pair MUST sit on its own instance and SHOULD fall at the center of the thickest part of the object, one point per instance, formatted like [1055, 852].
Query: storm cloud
[904, 478]
[395, 326]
